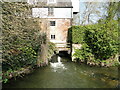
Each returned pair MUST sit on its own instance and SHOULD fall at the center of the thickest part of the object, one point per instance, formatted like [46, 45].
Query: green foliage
[102, 39]
[99, 41]
[112, 10]
[21, 36]
[22, 40]
[76, 34]
[51, 49]
[5, 80]
[84, 53]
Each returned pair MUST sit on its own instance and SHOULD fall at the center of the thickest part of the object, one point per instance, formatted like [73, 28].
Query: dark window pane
[52, 23]
[52, 36]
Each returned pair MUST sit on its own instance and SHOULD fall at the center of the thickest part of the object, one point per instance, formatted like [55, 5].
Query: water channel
[62, 73]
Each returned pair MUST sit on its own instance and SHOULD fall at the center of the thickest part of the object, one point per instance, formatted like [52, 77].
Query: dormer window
[51, 1]
[50, 11]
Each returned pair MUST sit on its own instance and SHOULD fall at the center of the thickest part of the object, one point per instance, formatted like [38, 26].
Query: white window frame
[52, 23]
[50, 11]
[49, 1]
[52, 37]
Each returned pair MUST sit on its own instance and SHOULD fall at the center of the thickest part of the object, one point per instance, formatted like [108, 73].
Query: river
[62, 73]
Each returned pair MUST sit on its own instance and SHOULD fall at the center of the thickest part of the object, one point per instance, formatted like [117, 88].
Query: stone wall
[75, 46]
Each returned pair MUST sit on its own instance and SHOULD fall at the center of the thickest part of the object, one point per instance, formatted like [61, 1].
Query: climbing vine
[21, 38]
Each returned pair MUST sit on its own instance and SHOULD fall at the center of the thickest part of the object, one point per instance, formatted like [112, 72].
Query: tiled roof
[59, 3]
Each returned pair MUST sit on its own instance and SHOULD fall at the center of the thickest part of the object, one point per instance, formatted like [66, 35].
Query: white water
[57, 65]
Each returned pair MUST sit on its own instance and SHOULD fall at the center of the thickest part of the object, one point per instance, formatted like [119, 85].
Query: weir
[63, 47]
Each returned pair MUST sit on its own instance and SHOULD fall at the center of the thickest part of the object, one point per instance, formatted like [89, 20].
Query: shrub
[76, 34]
[99, 41]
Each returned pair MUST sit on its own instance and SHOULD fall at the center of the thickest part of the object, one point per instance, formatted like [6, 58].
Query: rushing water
[61, 73]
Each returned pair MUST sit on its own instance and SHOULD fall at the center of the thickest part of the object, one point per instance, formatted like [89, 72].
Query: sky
[102, 10]
[94, 17]
[99, 0]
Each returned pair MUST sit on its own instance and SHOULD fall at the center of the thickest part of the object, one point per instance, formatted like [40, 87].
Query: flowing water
[62, 73]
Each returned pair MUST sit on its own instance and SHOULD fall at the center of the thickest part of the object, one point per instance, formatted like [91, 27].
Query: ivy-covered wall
[21, 38]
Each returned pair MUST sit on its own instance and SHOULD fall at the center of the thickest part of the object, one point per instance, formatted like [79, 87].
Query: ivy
[21, 36]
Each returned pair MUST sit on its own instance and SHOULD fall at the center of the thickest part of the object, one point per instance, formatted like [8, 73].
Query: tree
[112, 10]
[91, 10]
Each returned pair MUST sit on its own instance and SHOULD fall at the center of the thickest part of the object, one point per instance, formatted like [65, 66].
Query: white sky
[99, 0]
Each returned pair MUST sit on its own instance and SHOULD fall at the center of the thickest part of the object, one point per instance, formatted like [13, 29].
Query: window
[52, 23]
[52, 36]
[51, 1]
[50, 11]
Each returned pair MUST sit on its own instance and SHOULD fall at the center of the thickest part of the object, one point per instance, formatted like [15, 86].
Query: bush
[76, 34]
[84, 53]
[99, 41]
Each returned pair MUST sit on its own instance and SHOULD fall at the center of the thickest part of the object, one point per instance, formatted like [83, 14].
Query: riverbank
[90, 60]
[105, 63]
[43, 59]
[10, 74]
